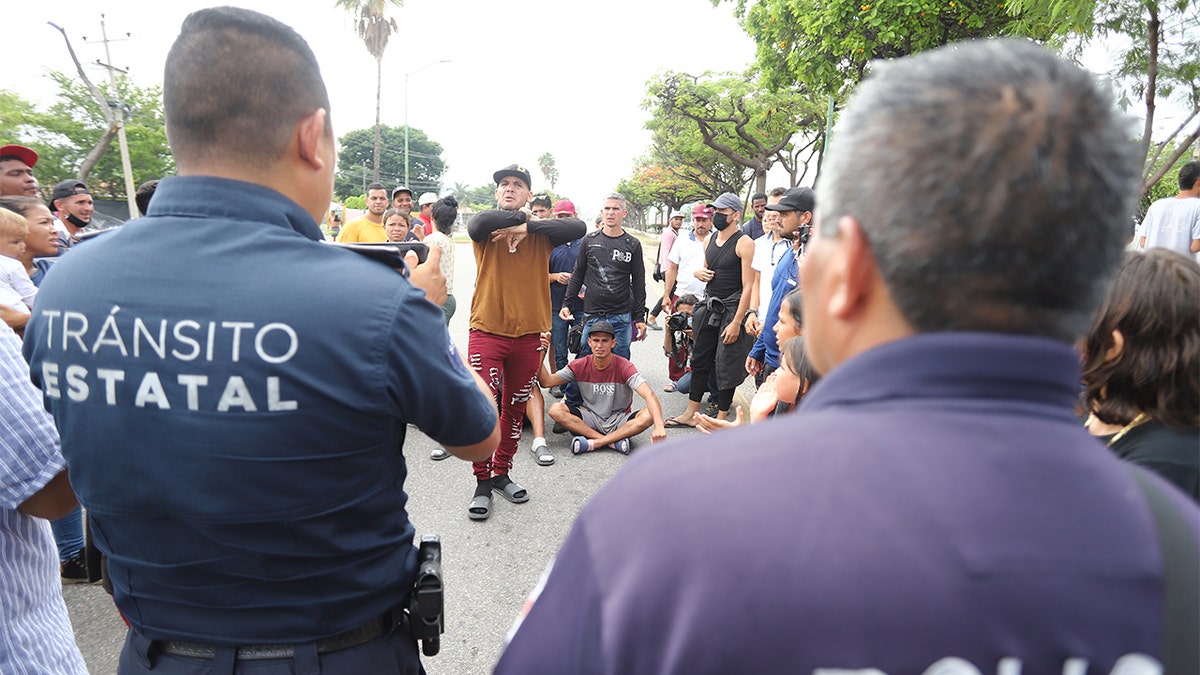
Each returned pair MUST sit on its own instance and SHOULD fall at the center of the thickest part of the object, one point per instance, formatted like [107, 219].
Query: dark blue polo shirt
[232, 397]
[934, 501]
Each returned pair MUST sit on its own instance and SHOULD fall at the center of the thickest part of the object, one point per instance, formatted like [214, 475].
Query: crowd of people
[921, 480]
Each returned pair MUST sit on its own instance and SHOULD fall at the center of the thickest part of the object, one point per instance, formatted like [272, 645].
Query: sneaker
[622, 446]
[557, 392]
[558, 428]
[579, 445]
[74, 569]
[438, 454]
[709, 409]
[653, 325]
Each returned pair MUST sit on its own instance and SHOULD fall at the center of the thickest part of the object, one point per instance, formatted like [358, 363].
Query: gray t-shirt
[608, 393]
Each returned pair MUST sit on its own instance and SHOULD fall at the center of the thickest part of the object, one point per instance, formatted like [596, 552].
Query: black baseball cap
[602, 327]
[796, 199]
[513, 170]
[66, 188]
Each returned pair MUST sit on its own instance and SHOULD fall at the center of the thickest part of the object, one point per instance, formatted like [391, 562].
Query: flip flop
[622, 446]
[669, 387]
[481, 503]
[438, 454]
[509, 490]
[542, 454]
[672, 423]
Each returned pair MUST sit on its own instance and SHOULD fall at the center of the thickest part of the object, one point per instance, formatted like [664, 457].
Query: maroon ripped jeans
[507, 365]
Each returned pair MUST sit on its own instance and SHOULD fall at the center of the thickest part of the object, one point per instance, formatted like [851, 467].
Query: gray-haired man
[935, 506]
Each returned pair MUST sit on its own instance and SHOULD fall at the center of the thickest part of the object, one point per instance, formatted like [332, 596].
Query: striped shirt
[35, 631]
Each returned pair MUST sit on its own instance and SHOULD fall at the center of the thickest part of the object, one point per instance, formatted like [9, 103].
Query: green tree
[65, 134]
[480, 198]
[15, 113]
[549, 170]
[425, 159]
[826, 44]
[1156, 46]
[746, 124]
[375, 29]
[656, 185]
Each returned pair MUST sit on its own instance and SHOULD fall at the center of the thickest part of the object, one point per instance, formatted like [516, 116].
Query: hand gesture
[753, 327]
[731, 333]
[710, 424]
[428, 276]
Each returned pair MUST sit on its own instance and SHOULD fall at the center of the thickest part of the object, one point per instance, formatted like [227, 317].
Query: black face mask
[720, 221]
[75, 221]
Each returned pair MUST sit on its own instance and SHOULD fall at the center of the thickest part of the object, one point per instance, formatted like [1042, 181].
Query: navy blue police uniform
[232, 396]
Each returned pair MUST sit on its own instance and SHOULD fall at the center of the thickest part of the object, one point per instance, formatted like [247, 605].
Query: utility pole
[126, 167]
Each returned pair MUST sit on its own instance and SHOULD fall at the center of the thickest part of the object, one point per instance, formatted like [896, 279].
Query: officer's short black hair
[235, 85]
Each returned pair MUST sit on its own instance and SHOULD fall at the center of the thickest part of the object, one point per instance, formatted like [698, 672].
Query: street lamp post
[413, 72]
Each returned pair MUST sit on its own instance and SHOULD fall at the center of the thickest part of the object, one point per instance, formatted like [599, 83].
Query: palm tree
[546, 164]
[460, 192]
[375, 29]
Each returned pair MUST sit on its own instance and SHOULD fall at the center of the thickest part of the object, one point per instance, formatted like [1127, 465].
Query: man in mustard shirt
[369, 228]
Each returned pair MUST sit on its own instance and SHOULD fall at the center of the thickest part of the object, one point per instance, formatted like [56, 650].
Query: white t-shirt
[767, 254]
[1172, 223]
[16, 289]
[436, 238]
[688, 254]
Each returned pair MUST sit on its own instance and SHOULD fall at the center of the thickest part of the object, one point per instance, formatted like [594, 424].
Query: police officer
[231, 419]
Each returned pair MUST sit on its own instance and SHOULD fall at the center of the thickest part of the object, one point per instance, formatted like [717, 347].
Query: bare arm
[671, 274]
[745, 251]
[659, 431]
[55, 500]
[1195, 248]
[15, 318]
[752, 325]
[428, 276]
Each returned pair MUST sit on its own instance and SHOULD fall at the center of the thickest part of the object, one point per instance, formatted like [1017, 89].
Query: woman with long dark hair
[1141, 366]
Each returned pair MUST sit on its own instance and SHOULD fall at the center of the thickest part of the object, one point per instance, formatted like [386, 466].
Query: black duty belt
[351, 638]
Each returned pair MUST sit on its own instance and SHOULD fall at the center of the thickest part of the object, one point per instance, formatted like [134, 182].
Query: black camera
[426, 610]
[679, 321]
[804, 233]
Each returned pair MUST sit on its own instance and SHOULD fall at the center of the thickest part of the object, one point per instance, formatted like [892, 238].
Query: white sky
[591, 58]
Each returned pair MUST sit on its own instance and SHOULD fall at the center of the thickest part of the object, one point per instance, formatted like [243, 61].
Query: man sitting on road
[606, 384]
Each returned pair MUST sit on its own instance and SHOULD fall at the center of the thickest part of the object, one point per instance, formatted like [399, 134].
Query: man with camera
[796, 207]
[665, 243]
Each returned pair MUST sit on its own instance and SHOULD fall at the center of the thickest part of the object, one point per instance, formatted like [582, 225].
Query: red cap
[703, 211]
[20, 152]
[564, 206]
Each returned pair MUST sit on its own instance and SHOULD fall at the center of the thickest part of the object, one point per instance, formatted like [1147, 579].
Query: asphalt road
[490, 566]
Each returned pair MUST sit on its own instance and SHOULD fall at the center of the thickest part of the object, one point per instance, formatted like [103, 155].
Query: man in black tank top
[721, 341]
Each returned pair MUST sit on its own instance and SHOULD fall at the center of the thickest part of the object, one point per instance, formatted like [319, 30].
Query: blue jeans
[68, 534]
[558, 337]
[684, 385]
[623, 325]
